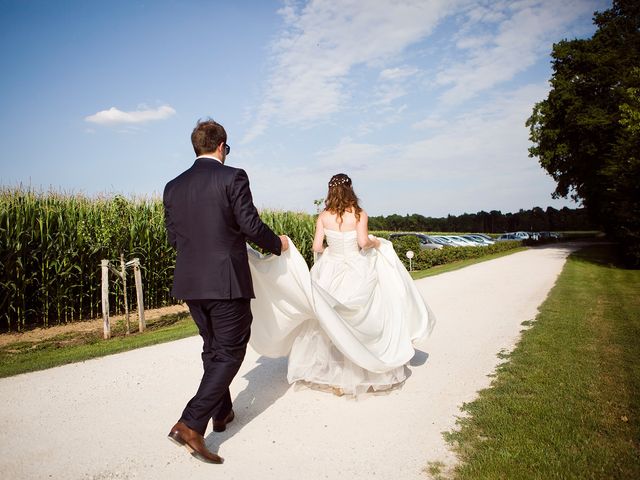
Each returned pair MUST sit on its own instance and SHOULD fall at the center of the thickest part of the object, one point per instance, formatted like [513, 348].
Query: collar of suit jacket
[210, 157]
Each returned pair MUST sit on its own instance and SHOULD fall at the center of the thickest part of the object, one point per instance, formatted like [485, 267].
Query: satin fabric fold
[366, 304]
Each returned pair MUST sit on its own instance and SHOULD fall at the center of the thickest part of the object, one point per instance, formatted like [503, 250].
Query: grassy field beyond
[566, 404]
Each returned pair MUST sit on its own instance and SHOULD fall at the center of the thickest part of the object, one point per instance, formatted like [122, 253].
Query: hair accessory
[340, 181]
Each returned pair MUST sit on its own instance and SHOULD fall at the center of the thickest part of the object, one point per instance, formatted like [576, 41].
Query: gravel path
[108, 418]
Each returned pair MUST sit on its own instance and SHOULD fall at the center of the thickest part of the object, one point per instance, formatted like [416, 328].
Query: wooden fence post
[105, 299]
[139, 294]
[123, 275]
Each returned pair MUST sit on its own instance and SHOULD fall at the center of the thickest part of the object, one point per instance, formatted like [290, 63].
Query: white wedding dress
[349, 324]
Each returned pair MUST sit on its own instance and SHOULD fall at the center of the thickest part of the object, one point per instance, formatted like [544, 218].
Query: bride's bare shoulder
[324, 215]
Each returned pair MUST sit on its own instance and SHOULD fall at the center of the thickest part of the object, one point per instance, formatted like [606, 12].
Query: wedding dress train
[349, 324]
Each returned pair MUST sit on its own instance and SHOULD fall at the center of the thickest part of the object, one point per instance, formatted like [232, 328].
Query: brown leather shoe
[221, 425]
[194, 442]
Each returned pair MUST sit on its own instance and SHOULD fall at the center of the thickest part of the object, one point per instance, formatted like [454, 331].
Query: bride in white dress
[350, 324]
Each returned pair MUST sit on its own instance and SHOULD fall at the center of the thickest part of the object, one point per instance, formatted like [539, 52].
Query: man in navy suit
[209, 216]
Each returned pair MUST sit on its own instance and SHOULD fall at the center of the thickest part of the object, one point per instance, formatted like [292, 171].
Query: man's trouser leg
[225, 328]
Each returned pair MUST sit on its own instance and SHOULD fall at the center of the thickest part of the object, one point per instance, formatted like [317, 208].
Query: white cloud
[490, 12]
[451, 155]
[386, 94]
[350, 156]
[473, 42]
[479, 162]
[397, 73]
[324, 40]
[525, 32]
[387, 115]
[431, 122]
[114, 116]
[394, 84]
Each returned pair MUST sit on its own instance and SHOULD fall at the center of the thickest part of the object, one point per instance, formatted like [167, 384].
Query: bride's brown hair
[341, 197]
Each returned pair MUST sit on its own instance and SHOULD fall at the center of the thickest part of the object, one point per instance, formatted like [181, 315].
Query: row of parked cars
[471, 239]
[528, 235]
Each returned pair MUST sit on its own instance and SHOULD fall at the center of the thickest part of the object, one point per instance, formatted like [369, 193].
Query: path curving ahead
[108, 418]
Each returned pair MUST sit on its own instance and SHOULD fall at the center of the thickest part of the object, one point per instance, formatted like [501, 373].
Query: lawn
[566, 402]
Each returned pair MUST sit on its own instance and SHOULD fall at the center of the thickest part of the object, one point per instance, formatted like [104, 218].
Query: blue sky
[421, 102]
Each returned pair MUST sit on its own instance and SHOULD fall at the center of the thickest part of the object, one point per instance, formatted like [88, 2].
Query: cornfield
[51, 245]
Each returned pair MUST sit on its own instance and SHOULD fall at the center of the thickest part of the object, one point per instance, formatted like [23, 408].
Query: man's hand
[285, 242]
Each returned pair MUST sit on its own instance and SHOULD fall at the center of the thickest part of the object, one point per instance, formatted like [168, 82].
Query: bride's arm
[318, 239]
[362, 229]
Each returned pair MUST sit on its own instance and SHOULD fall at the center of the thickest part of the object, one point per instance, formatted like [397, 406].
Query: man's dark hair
[207, 135]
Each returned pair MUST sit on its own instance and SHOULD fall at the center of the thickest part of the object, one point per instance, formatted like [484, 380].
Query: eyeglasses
[227, 149]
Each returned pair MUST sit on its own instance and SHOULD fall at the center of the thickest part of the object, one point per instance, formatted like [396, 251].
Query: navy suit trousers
[225, 328]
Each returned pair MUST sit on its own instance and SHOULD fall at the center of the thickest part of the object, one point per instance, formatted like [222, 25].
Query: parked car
[485, 236]
[442, 241]
[478, 239]
[448, 241]
[508, 237]
[426, 242]
[464, 242]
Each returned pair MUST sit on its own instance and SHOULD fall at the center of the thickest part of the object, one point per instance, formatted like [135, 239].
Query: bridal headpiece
[339, 179]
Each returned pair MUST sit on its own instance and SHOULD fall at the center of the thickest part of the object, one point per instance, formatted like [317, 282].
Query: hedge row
[424, 258]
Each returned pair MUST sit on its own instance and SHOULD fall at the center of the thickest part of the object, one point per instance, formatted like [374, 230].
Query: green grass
[567, 402]
[448, 267]
[22, 357]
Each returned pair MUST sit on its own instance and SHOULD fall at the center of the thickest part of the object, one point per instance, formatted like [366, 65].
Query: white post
[139, 295]
[105, 299]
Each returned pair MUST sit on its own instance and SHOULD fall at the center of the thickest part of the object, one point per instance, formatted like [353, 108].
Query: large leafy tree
[586, 133]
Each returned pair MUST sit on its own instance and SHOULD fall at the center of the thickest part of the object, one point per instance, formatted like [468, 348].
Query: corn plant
[51, 245]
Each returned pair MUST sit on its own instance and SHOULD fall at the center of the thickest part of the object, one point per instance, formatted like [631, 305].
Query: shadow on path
[419, 358]
[267, 382]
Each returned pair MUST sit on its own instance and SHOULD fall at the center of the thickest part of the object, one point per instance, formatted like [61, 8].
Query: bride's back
[330, 221]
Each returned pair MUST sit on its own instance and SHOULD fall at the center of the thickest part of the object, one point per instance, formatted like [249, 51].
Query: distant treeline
[494, 221]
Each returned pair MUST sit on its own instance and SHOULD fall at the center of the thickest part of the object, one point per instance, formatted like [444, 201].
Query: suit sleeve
[247, 215]
[168, 222]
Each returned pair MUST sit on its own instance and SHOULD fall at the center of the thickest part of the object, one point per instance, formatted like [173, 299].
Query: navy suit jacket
[209, 215]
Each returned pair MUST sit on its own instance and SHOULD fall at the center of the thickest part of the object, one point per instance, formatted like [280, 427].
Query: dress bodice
[342, 244]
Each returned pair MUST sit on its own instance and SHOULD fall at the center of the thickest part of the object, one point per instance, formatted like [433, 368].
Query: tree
[586, 132]
[395, 222]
